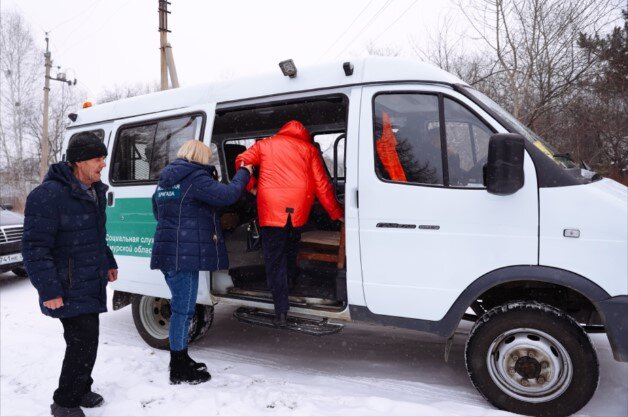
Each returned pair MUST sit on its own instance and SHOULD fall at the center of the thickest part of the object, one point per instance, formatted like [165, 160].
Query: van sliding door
[140, 148]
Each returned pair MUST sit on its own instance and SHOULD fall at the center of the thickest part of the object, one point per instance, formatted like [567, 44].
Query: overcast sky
[107, 42]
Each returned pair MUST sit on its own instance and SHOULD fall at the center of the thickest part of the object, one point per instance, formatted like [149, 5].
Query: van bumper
[615, 315]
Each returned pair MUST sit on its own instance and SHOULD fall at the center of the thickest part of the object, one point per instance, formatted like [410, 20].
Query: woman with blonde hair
[189, 239]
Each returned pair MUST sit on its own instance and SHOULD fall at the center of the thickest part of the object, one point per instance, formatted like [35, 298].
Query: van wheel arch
[497, 285]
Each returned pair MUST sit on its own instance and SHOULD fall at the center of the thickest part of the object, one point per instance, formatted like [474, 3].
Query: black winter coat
[187, 205]
[64, 244]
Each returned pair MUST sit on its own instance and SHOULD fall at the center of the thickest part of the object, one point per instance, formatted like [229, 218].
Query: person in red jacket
[291, 175]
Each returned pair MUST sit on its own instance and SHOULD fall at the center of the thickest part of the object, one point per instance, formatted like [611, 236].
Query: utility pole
[45, 142]
[167, 58]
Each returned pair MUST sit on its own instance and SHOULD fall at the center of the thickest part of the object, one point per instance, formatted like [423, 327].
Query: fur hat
[84, 146]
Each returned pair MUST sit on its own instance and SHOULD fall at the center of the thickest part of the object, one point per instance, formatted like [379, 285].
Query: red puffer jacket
[291, 175]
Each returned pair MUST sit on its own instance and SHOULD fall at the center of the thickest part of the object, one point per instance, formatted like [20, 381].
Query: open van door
[428, 226]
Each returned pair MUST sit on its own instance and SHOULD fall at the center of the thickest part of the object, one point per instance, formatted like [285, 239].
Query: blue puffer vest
[187, 205]
[64, 244]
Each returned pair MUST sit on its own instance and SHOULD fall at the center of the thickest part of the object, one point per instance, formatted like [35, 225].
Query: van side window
[467, 145]
[409, 147]
[405, 150]
[143, 150]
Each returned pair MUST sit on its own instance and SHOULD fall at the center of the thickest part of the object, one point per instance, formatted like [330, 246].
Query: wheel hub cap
[529, 365]
[155, 315]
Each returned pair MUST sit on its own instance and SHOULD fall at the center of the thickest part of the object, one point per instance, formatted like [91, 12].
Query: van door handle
[396, 226]
[110, 198]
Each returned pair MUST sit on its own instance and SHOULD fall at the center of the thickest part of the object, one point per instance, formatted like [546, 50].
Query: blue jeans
[184, 287]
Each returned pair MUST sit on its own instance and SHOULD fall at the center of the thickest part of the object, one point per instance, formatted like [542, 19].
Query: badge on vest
[172, 193]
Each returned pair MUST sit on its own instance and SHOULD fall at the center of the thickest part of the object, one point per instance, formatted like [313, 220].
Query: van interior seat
[232, 150]
[323, 246]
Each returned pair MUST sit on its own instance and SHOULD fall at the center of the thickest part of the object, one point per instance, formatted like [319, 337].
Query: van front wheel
[531, 358]
[152, 320]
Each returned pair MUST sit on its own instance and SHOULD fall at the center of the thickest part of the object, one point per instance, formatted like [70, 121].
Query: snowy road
[364, 370]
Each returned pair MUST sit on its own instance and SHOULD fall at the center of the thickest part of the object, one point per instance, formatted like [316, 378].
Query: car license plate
[9, 259]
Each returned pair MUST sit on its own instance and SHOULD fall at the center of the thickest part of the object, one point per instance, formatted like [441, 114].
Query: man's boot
[58, 411]
[280, 320]
[92, 399]
[184, 371]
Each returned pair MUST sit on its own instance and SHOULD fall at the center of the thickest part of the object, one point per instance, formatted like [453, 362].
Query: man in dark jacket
[69, 263]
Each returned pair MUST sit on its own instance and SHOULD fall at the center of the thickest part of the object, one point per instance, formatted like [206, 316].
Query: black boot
[184, 371]
[280, 320]
[199, 366]
[92, 399]
[58, 411]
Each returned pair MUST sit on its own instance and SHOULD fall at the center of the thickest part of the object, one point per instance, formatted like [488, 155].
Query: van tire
[551, 367]
[203, 319]
[151, 316]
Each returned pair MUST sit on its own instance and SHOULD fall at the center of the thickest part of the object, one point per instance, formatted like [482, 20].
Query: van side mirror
[503, 172]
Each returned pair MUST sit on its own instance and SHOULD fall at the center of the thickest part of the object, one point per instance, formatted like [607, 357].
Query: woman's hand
[248, 167]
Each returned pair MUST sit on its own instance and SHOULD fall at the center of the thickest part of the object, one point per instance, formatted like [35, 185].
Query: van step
[298, 300]
[315, 326]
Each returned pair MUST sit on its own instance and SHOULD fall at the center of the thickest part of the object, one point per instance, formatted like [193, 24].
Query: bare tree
[63, 100]
[20, 67]
[120, 91]
[382, 50]
[448, 49]
[534, 43]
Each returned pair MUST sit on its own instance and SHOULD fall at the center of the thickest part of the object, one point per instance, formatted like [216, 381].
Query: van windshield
[562, 160]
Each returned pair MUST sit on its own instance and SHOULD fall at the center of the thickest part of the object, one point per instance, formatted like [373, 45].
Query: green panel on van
[131, 227]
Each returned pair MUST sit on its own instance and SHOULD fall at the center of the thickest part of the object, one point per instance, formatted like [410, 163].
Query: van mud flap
[315, 326]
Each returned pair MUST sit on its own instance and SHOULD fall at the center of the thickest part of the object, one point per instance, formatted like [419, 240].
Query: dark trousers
[280, 246]
[81, 338]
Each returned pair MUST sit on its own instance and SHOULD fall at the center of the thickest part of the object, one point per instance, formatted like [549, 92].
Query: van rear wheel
[531, 358]
[151, 316]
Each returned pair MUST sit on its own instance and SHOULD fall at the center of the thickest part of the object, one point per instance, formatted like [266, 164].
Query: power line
[101, 27]
[396, 20]
[346, 30]
[388, 3]
[90, 8]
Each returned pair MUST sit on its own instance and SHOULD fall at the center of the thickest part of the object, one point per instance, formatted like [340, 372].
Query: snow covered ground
[364, 370]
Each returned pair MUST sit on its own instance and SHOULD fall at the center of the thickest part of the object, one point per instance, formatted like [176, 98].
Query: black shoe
[184, 371]
[92, 400]
[280, 320]
[57, 411]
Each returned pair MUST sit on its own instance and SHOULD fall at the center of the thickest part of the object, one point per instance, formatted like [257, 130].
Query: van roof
[331, 75]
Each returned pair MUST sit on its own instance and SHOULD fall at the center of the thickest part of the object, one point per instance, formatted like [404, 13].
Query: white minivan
[454, 211]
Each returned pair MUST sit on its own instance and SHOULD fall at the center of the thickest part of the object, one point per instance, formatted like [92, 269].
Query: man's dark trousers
[81, 338]
[280, 246]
